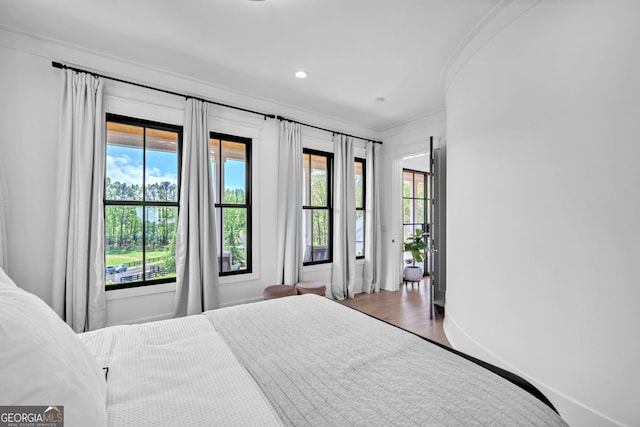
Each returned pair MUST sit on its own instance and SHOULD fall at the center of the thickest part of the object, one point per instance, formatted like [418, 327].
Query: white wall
[543, 128]
[29, 93]
[30, 90]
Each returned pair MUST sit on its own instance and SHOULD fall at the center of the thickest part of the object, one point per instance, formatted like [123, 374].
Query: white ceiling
[354, 50]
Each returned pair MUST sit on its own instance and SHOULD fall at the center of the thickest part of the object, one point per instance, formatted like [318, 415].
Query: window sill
[235, 278]
[171, 287]
[140, 290]
[326, 266]
[318, 267]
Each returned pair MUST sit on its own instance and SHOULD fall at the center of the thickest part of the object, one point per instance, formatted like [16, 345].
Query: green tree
[169, 258]
[235, 226]
[319, 197]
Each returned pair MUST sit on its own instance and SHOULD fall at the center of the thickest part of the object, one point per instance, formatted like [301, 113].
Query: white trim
[500, 17]
[236, 278]
[137, 291]
[234, 124]
[133, 106]
[317, 267]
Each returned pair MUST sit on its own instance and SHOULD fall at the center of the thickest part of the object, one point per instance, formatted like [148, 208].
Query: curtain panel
[289, 225]
[196, 241]
[373, 229]
[78, 265]
[344, 220]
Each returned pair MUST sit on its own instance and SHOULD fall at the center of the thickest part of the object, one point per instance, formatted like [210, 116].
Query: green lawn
[116, 256]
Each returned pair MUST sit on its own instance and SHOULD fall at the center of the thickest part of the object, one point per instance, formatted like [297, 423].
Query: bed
[300, 360]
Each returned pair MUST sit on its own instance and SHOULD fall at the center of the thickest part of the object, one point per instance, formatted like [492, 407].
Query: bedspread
[321, 363]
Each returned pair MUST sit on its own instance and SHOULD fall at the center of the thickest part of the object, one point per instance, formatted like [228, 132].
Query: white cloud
[122, 169]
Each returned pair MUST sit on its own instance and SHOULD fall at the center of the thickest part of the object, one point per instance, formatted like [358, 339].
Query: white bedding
[297, 361]
[176, 372]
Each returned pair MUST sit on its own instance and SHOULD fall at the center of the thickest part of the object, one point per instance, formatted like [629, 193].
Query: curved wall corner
[543, 204]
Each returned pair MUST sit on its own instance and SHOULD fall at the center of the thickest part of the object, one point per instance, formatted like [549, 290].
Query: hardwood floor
[407, 308]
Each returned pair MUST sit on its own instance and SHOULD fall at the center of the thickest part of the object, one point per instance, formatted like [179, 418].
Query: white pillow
[44, 363]
[4, 278]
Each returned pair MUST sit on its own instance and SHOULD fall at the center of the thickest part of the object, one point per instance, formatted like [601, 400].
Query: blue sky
[124, 164]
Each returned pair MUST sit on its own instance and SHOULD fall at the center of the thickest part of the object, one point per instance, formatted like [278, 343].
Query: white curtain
[289, 243]
[344, 220]
[78, 256]
[196, 242]
[4, 207]
[373, 230]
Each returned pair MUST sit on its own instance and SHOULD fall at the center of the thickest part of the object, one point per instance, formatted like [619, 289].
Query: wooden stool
[278, 291]
[311, 287]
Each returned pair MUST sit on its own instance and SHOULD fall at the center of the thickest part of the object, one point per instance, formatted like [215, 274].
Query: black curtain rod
[55, 64]
[61, 66]
[328, 130]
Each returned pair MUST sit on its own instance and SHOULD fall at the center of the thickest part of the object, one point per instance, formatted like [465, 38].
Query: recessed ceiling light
[301, 74]
[380, 99]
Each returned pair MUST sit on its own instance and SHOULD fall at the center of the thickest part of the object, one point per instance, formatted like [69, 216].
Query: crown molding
[500, 17]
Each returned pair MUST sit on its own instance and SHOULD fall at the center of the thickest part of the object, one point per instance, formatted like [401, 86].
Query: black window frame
[329, 207]
[134, 121]
[363, 208]
[426, 211]
[247, 205]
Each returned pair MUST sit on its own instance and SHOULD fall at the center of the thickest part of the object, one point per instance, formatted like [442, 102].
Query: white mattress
[174, 373]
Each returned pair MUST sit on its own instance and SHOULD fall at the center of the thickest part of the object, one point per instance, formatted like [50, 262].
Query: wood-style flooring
[407, 308]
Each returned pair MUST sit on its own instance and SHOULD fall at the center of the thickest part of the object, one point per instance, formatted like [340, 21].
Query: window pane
[234, 170]
[123, 244]
[407, 184]
[315, 235]
[360, 233]
[161, 171]
[306, 173]
[419, 211]
[419, 185]
[234, 238]
[359, 180]
[224, 259]
[161, 224]
[214, 158]
[407, 211]
[408, 231]
[320, 235]
[124, 162]
[319, 193]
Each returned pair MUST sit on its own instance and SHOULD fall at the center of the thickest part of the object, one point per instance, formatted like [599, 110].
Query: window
[415, 188]
[231, 170]
[360, 180]
[317, 211]
[140, 201]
